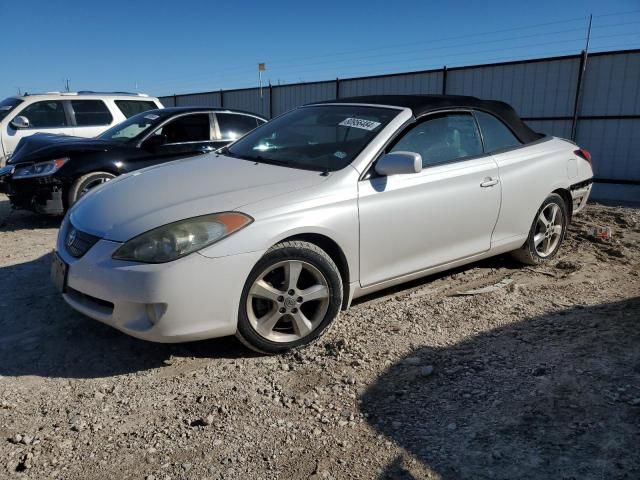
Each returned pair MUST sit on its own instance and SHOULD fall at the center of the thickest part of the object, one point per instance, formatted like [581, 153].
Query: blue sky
[164, 47]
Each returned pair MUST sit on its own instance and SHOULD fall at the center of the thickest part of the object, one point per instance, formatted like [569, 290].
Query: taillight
[581, 152]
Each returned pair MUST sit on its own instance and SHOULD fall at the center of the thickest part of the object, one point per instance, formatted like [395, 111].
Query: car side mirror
[20, 122]
[154, 142]
[397, 163]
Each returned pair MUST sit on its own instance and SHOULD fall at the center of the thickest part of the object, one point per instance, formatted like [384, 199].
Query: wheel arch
[568, 200]
[77, 176]
[336, 253]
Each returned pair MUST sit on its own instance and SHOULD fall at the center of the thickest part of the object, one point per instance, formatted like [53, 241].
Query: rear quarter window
[496, 135]
[129, 108]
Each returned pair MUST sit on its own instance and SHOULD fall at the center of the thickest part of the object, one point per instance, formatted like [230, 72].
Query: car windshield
[320, 137]
[132, 128]
[7, 105]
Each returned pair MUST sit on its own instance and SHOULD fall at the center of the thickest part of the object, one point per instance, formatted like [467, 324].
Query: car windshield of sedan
[321, 137]
[132, 128]
[7, 105]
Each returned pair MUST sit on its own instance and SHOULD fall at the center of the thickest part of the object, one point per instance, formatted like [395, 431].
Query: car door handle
[489, 182]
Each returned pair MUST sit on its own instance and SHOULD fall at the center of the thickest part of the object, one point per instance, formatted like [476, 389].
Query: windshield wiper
[261, 159]
[225, 151]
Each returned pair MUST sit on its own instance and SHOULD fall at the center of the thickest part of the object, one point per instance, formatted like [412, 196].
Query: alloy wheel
[91, 185]
[549, 228]
[288, 301]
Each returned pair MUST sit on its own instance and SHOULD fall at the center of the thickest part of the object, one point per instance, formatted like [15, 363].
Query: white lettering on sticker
[360, 123]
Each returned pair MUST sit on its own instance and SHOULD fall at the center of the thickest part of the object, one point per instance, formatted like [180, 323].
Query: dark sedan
[49, 173]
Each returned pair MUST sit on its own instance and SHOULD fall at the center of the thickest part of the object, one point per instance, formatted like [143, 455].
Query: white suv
[81, 114]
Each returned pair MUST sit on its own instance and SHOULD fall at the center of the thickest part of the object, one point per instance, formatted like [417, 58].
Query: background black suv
[49, 173]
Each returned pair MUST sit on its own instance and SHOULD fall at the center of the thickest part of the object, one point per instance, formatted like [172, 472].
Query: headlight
[41, 169]
[170, 242]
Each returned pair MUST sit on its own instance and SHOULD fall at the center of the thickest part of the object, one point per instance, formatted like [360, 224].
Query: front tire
[290, 298]
[546, 234]
[82, 185]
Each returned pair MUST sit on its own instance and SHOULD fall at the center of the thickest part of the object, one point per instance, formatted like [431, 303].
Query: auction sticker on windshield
[359, 123]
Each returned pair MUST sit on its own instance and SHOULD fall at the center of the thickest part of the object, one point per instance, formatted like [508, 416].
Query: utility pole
[586, 47]
[581, 73]
[67, 85]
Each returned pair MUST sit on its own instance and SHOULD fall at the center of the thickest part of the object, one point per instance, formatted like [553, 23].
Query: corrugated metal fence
[604, 117]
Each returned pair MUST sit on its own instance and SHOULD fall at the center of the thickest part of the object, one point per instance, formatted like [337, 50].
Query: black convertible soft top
[423, 104]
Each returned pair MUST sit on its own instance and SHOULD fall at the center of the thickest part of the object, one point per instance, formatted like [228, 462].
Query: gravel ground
[537, 376]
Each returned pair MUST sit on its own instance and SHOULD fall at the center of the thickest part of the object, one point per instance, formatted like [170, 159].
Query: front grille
[78, 243]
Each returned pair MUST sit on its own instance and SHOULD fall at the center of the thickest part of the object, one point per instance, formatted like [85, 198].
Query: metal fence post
[576, 102]
[444, 80]
[337, 88]
[270, 100]
[221, 98]
[175, 100]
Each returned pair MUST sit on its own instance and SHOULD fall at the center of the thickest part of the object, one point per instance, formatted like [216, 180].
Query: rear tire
[83, 184]
[291, 297]
[546, 234]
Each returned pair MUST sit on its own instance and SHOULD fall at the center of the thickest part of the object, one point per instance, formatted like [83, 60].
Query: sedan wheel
[546, 234]
[85, 184]
[549, 230]
[288, 301]
[290, 298]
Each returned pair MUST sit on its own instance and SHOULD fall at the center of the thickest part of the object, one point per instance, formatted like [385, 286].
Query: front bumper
[42, 195]
[192, 298]
[5, 176]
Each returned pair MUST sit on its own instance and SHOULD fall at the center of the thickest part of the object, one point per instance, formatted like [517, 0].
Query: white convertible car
[271, 237]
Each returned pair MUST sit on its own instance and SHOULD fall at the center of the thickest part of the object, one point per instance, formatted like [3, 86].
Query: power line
[438, 53]
[230, 73]
[229, 69]
[487, 61]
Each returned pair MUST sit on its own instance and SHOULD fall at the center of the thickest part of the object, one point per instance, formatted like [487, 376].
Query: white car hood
[142, 200]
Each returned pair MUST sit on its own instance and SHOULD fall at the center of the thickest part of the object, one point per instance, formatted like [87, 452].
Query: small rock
[208, 420]
[426, 371]
[539, 372]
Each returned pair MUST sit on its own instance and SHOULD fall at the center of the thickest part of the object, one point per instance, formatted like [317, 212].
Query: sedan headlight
[170, 242]
[41, 169]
